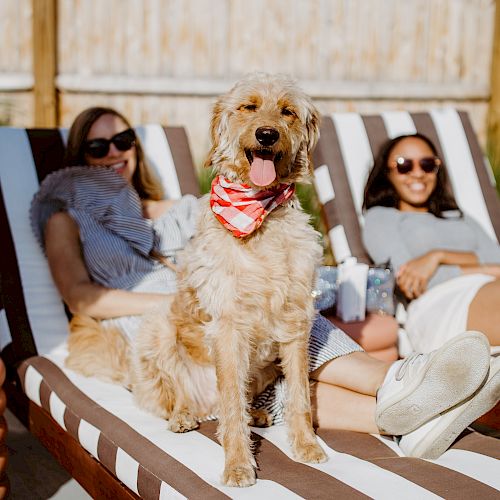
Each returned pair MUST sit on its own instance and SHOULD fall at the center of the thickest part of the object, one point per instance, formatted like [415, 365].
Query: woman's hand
[413, 276]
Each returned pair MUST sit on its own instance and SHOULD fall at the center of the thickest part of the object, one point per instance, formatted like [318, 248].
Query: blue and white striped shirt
[116, 239]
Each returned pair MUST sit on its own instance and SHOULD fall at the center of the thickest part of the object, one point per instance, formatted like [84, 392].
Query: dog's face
[263, 131]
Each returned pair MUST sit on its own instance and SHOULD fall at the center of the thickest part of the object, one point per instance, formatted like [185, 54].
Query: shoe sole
[455, 372]
[447, 430]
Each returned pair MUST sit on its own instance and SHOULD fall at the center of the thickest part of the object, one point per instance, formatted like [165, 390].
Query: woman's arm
[486, 252]
[79, 292]
[487, 249]
[491, 269]
[413, 277]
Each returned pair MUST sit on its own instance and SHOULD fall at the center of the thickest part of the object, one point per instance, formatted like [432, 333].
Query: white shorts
[441, 312]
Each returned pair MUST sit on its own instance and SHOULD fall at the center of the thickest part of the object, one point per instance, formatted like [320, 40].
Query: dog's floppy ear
[215, 131]
[303, 159]
[312, 125]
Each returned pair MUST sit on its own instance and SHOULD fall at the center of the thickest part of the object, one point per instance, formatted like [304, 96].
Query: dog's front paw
[183, 421]
[260, 418]
[241, 475]
[310, 452]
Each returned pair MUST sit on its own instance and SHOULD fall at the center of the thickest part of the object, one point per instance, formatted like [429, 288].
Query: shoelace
[409, 361]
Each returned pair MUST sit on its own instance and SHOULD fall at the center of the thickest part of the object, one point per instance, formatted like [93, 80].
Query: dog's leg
[261, 379]
[298, 413]
[159, 370]
[231, 349]
[260, 418]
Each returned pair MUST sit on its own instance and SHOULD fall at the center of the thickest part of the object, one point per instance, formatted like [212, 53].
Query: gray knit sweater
[395, 236]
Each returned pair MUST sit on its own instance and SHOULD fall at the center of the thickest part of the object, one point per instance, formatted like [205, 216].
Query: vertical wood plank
[15, 36]
[493, 133]
[45, 62]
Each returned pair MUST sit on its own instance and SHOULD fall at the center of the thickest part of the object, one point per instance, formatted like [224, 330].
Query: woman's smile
[416, 186]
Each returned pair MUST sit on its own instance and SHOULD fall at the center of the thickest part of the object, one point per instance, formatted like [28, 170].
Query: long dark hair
[379, 190]
[144, 181]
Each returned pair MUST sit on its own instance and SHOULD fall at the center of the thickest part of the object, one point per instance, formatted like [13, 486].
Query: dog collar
[240, 208]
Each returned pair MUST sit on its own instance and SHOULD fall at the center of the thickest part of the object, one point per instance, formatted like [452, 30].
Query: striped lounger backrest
[32, 320]
[344, 156]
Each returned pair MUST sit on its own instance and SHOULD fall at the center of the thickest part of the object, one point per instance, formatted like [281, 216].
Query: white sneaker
[435, 437]
[421, 386]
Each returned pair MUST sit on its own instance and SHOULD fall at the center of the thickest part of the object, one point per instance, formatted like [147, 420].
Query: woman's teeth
[416, 186]
[117, 166]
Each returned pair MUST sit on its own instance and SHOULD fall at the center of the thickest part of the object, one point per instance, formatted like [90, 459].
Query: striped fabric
[155, 463]
[118, 239]
[327, 342]
[135, 446]
[345, 152]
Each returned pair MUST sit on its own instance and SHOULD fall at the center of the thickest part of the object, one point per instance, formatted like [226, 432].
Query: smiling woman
[445, 263]
[413, 169]
[102, 144]
[104, 137]
[117, 151]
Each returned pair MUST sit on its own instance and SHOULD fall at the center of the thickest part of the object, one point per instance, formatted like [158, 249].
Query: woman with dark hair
[78, 151]
[445, 263]
[380, 191]
[106, 207]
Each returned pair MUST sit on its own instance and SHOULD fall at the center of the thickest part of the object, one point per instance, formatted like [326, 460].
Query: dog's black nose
[267, 136]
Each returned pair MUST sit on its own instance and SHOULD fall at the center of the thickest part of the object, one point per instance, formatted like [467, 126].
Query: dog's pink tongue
[262, 171]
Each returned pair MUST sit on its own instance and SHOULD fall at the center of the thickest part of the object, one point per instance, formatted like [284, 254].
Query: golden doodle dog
[244, 290]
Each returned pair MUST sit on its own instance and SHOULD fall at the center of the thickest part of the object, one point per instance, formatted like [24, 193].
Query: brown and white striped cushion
[134, 445]
[156, 463]
[344, 156]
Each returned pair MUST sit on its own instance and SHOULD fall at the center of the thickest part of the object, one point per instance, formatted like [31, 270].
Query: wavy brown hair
[144, 181]
[379, 190]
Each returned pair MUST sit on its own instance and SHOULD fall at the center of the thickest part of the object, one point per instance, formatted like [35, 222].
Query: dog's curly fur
[243, 303]
[99, 352]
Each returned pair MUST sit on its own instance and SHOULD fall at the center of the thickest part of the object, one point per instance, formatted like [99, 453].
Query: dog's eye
[248, 107]
[287, 112]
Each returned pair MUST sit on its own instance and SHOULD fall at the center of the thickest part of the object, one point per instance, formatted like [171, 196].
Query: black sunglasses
[99, 148]
[430, 165]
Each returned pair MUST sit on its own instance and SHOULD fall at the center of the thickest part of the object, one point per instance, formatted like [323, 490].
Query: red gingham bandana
[241, 208]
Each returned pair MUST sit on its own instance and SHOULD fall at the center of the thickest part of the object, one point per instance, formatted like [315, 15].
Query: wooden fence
[166, 60]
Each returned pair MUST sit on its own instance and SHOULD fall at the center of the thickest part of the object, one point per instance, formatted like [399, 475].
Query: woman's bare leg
[358, 372]
[339, 408]
[343, 396]
[484, 312]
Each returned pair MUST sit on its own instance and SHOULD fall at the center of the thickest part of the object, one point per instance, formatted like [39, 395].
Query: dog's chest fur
[252, 279]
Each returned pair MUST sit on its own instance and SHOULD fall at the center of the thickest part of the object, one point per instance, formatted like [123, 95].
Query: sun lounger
[116, 450]
[344, 156]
